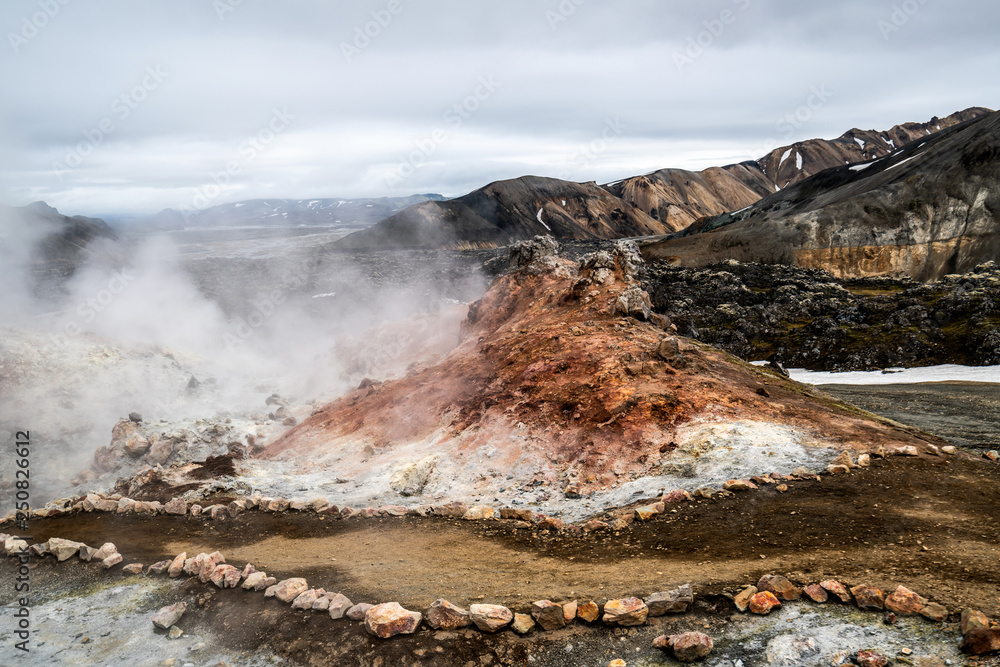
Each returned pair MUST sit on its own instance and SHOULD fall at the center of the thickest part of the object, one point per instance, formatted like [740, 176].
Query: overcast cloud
[116, 106]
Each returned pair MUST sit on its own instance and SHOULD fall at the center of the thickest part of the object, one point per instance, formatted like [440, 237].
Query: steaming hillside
[664, 201]
[930, 209]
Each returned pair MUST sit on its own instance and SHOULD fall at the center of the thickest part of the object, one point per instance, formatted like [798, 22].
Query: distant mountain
[679, 198]
[347, 213]
[929, 209]
[507, 211]
[47, 245]
[661, 202]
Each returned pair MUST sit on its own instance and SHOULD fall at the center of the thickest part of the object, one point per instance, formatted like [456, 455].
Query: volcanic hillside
[508, 211]
[564, 379]
[925, 211]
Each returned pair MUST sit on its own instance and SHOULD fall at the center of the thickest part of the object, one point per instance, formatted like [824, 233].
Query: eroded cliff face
[564, 379]
[926, 211]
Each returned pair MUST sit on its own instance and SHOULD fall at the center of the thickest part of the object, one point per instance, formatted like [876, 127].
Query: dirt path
[926, 524]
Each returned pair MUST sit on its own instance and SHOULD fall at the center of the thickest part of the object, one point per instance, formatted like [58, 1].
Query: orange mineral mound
[564, 379]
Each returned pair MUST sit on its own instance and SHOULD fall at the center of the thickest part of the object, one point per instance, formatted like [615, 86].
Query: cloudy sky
[115, 106]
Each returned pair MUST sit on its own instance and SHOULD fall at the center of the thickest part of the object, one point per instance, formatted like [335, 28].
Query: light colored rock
[358, 611]
[523, 623]
[251, 581]
[411, 478]
[339, 606]
[646, 513]
[169, 615]
[738, 485]
[908, 450]
[63, 549]
[838, 469]
[837, 589]
[676, 601]
[133, 568]
[742, 600]
[221, 573]
[950, 449]
[288, 589]
[111, 561]
[306, 599]
[176, 568]
[490, 617]
[479, 513]
[569, 610]
[107, 549]
[158, 567]
[625, 612]
[690, 646]
[864, 460]
[443, 615]
[390, 619]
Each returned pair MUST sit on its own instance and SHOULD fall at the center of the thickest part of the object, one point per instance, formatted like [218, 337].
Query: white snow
[902, 162]
[324, 296]
[893, 144]
[539, 216]
[945, 373]
[861, 142]
[784, 157]
[777, 188]
[564, 202]
[240, 204]
[798, 160]
[861, 167]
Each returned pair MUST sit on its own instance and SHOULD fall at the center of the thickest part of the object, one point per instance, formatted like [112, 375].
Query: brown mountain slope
[930, 209]
[556, 384]
[507, 211]
[680, 198]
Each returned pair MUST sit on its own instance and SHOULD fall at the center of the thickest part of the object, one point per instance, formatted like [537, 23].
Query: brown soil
[926, 524]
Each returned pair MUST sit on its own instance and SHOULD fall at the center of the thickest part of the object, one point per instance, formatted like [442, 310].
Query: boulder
[490, 617]
[454, 510]
[676, 496]
[158, 568]
[168, 616]
[646, 513]
[868, 597]
[548, 614]
[676, 601]
[358, 611]
[742, 599]
[306, 599]
[258, 581]
[64, 549]
[513, 514]
[551, 523]
[176, 567]
[288, 589]
[133, 568]
[935, 612]
[762, 603]
[479, 513]
[972, 619]
[338, 606]
[816, 593]
[569, 610]
[980, 641]
[904, 602]
[782, 588]
[390, 619]
[837, 589]
[687, 646]
[594, 525]
[86, 553]
[221, 573]
[739, 485]
[232, 578]
[107, 549]
[523, 623]
[588, 611]
[443, 615]
[625, 612]
[111, 561]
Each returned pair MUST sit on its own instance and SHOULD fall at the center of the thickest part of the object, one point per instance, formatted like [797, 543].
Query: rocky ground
[805, 318]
